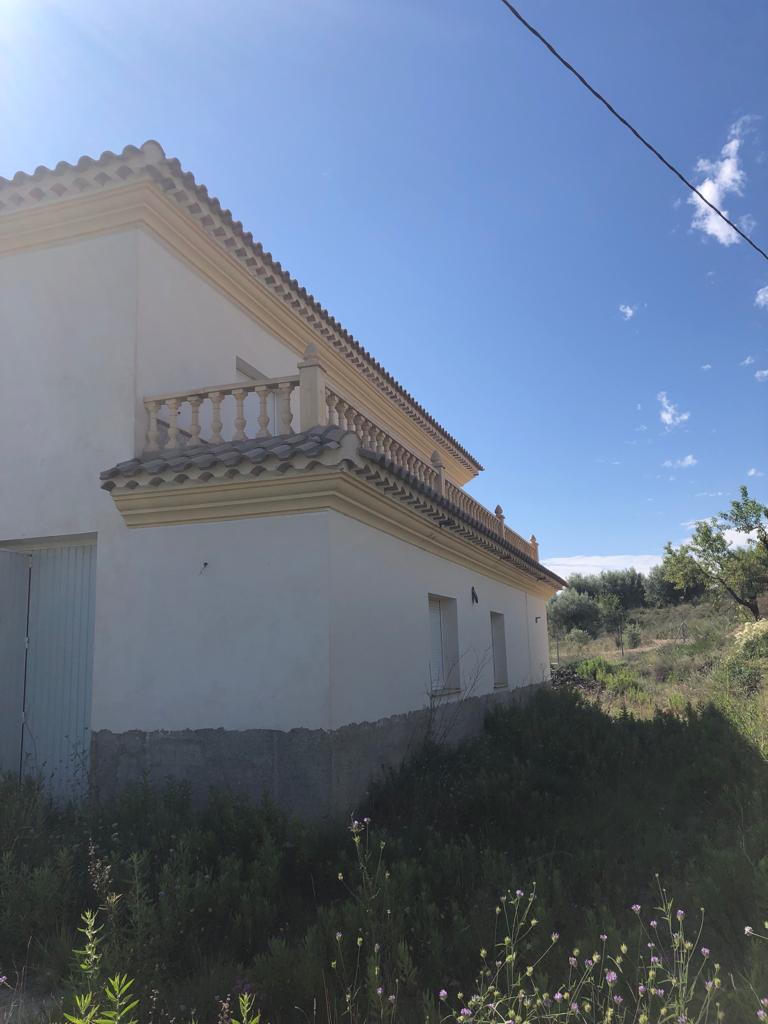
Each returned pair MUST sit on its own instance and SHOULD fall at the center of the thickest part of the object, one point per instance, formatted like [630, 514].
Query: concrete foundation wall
[313, 774]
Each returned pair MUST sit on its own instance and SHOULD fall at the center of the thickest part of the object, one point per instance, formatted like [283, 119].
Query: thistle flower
[611, 977]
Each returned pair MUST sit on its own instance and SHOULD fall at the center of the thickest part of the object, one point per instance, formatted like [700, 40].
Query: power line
[598, 96]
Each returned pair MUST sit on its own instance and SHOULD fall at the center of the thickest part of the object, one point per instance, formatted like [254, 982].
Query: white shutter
[436, 659]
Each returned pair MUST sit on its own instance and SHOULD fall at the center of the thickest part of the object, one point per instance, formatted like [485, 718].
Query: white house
[232, 547]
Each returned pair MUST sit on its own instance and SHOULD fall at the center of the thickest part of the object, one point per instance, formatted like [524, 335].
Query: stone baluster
[152, 433]
[341, 413]
[354, 420]
[172, 405]
[263, 396]
[534, 547]
[332, 401]
[240, 421]
[439, 468]
[195, 401]
[216, 423]
[284, 404]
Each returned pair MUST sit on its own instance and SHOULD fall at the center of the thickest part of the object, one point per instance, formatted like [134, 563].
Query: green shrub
[634, 636]
[751, 641]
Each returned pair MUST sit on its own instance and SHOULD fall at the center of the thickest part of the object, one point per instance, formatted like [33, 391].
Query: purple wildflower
[635, 908]
[679, 914]
[704, 951]
[442, 994]
[611, 977]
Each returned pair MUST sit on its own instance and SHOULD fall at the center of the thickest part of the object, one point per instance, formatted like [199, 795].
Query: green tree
[614, 618]
[726, 570]
[626, 585]
[572, 610]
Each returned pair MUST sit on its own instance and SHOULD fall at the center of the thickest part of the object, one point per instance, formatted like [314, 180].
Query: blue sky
[462, 205]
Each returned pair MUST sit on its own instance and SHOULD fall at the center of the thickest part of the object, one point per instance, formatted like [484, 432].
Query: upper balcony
[193, 421]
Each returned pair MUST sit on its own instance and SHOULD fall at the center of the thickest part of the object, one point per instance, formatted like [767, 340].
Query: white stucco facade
[308, 617]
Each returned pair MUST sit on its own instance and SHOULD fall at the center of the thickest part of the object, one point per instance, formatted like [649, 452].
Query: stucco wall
[68, 330]
[239, 643]
[380, 626]
[312, 620]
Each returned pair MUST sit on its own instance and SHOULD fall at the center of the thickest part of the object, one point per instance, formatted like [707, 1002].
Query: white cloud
[748, 361]
[591, 564]
[761, 299]
[709, 494]
[722, 177]
[754, 472]
[747, 223]
[627, 311]
[761, 375]
[707, 366]
[685, 463]
[668, 413]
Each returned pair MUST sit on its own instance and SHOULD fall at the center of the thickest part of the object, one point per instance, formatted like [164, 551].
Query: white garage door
[57, 610]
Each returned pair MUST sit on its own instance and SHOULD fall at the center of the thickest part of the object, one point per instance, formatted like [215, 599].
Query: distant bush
[579, 637]
[634, 636]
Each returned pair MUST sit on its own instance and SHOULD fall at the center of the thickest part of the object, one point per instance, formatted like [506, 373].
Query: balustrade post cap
[533, 539]
[311, 356]
[436, 460]
[499, 512]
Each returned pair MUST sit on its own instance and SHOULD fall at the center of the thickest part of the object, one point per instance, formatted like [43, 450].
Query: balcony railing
[265, 408]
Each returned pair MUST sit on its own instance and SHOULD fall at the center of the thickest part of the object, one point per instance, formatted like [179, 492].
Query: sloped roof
[29, 190]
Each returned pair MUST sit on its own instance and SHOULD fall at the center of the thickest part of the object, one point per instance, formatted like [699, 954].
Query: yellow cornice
[315, 491]
[143, 204]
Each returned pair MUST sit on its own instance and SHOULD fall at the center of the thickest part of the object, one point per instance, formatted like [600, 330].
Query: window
[444, 643]
[499, 648]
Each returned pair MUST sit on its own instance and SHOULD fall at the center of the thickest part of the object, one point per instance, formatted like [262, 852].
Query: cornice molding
[341, 489]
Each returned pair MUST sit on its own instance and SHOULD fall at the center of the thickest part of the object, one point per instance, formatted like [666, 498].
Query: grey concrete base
[311, 773]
